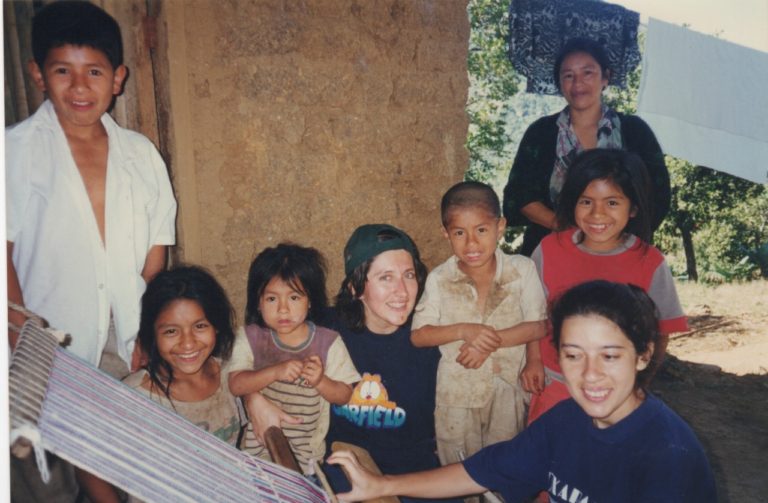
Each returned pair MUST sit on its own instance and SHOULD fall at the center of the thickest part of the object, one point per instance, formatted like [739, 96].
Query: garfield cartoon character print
[370, 406]
[370, 391]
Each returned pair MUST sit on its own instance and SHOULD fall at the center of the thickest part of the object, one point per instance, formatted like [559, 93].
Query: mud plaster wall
[300, 120]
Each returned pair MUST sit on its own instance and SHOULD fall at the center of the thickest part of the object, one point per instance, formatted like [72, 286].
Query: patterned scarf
[568, 147]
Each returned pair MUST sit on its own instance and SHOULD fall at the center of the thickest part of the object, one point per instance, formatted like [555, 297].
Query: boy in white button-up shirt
[90, 206]
[90, 210]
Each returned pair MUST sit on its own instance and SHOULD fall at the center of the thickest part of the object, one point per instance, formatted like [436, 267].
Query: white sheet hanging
[706, 100]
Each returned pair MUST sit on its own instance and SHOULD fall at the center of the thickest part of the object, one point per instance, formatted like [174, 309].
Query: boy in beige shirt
[480, 307]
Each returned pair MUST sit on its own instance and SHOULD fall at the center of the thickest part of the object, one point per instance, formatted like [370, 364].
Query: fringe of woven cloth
[102, 426]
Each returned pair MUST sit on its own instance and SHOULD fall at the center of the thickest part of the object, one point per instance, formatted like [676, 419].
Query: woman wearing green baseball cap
[391, 412]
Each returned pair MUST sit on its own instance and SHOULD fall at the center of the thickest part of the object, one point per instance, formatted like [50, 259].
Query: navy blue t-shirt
[391, 413]
[652, 455]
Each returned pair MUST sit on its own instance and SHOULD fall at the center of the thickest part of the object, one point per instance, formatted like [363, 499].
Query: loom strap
[22, 438]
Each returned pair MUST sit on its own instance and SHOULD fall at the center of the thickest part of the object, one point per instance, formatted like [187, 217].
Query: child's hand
[470, 357]
[289, 371]
[482, 337]
[532, 376]
[313, 370]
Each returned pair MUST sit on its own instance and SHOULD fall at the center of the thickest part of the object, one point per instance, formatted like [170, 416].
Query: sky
[743, 22]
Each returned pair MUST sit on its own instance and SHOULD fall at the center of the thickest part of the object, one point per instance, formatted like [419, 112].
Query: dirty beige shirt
[450, 297]
[219, 414]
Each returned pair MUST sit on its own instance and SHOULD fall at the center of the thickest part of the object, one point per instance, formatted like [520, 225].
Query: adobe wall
[300, 120]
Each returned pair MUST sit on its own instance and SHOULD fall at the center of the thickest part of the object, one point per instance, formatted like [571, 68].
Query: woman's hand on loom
[365, 485]
[264, 414]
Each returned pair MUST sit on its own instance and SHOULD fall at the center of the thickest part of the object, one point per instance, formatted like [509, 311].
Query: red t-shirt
[563, 264]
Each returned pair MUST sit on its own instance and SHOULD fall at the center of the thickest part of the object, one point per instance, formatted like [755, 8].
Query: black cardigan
[531, 172]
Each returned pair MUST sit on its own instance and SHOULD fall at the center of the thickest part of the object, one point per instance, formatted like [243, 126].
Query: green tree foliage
[492, 81]
[723, 218]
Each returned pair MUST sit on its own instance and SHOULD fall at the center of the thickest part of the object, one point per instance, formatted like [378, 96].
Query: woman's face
[582, 81]
[600, 367]
[390, 291]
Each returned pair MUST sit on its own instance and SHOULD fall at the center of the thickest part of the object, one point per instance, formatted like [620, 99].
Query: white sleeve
[664, 293]
[242, 355]
[17, 187]
[163, 214]
[427, 312]
[339, 366]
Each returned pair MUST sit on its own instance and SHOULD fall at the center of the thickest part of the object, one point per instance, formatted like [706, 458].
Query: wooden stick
[323, 480]
[280, 449]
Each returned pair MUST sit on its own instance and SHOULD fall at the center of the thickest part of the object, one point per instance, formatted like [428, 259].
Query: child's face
[602, 212]
[80, 82]
[600, 367]
[185, 338]
[284, 308]
[474, 233]
[390, 291]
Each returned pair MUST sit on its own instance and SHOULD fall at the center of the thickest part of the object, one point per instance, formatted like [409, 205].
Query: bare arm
[523, 333]
[264, 414]
[538, 213]
[482, 337]
[444, 482]
[14, 295]
[471, 357]
[243, 382]
[98, 490]
[336, 392]
[154, 263]
[532, 375]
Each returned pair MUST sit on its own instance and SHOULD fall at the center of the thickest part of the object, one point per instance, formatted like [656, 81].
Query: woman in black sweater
[582, 72]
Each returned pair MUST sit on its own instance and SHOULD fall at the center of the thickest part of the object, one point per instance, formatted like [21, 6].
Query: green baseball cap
[371, 240]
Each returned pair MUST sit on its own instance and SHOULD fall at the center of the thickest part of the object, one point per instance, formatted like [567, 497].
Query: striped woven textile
[110, 430]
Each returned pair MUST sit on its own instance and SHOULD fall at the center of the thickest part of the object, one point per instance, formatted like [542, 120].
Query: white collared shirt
[67, 276]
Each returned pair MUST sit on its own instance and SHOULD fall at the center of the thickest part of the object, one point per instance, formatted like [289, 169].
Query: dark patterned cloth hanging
[538, 28]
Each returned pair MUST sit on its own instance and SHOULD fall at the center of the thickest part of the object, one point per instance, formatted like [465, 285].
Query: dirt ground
[716, 378]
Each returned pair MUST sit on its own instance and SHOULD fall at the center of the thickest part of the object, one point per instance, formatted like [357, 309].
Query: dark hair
[301, 267]
[470, 195]
[77, 23]
[627, 306]
[625, 170]
[348, 304]
[588, 46]
[183, 282]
